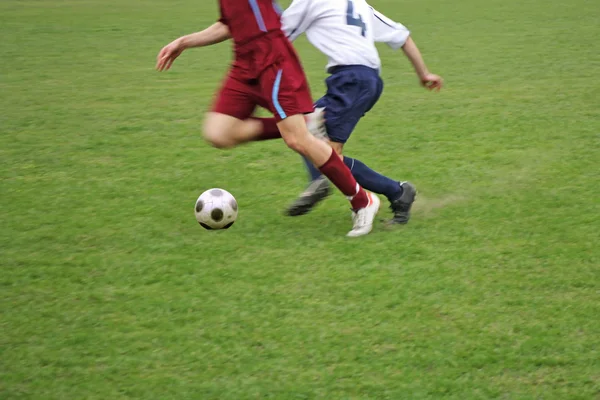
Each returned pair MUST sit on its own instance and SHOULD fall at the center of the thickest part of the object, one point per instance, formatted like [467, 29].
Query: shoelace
[359, 219]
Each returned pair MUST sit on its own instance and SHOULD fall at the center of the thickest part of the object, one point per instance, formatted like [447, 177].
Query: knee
[217, 137]
[338, 148]
[295, 143]
[217, 141]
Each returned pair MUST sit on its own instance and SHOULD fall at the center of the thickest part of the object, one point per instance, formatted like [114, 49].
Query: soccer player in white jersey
[345, 31]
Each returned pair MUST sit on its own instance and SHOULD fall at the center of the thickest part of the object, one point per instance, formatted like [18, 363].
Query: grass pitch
[111, 290]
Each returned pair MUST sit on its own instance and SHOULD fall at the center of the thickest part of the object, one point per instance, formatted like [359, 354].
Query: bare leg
[225, 131]
[338, 148]
[295, 134]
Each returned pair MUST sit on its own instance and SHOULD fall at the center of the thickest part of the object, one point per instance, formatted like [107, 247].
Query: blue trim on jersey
[258, 15]
[376, 16]
[275, 95]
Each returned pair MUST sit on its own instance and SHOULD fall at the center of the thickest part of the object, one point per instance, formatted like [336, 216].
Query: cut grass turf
[111, 290]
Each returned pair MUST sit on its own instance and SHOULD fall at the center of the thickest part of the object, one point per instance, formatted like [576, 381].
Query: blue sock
[313, 172]
[373, 181]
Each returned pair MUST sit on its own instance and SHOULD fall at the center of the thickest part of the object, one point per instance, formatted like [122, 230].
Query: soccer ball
[216, 209]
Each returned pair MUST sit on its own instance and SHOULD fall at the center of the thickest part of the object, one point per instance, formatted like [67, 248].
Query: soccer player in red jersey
[266, 71]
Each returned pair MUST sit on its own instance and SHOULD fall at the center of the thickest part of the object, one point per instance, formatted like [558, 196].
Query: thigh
[375, 89]
[349, 96]
[236, 98]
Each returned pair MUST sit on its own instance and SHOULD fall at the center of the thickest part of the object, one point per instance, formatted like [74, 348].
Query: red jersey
[249, 19]
[266, 70]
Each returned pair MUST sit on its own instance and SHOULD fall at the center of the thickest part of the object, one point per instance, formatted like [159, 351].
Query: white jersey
[343, 30]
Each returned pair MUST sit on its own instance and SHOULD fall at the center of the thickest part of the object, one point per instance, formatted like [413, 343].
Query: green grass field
[111, 290]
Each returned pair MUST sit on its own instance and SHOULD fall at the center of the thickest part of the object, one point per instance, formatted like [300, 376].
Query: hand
[168, 54]
[432, 82]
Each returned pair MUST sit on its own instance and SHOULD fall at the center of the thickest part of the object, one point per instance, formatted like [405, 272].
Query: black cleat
[401, 206]
[316, 192]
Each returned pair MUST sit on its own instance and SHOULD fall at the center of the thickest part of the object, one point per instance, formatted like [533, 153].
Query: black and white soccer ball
[216, 209]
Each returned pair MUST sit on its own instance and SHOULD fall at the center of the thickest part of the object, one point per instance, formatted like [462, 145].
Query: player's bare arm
[216, 33]
[428, 80]
[397, 36]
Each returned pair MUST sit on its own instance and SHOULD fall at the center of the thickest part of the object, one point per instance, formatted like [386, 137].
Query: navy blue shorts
[352, 90]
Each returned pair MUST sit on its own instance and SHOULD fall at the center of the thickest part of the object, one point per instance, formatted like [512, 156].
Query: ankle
[393, 197]
[360, 200]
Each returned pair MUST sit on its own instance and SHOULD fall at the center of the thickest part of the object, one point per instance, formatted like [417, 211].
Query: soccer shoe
[315, 122]
[363, 218]
[316, 192]
[401, 206]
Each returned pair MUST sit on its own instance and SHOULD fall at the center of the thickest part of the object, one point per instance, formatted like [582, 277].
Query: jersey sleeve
[222, 18]
[295, 20]
[387, 31]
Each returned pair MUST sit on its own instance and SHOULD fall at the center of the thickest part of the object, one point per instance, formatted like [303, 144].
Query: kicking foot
[363, 218]
[401, 206]
[316, 192]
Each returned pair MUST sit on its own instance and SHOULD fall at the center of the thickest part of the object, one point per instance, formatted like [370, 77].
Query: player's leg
[230, 124]
[287, 90]
[401, 195]
[344, 104]
[221, 129]
[365, 205]
[350, 94]
[232, 105]
[296, 136]
[224, 131]
[319, 187]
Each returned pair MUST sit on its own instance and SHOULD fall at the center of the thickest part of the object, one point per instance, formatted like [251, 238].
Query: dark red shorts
[267, 73]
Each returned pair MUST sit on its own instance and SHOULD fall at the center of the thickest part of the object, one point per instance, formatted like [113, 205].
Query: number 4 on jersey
[351, 20]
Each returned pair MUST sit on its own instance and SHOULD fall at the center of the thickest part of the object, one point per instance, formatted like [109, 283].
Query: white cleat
[363, 218]
[315, 122]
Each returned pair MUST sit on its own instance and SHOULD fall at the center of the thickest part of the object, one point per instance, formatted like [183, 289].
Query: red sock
[339, 174]
[270, 130]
